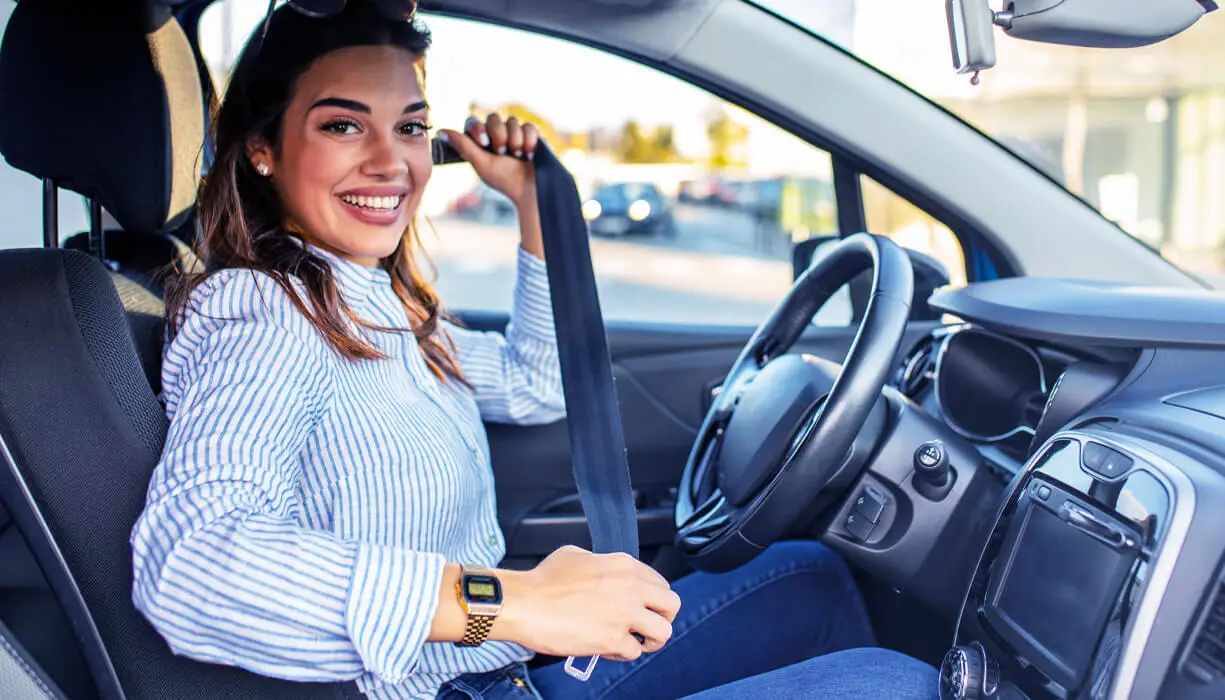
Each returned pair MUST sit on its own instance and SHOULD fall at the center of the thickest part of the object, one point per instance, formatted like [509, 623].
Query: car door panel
[663, 375]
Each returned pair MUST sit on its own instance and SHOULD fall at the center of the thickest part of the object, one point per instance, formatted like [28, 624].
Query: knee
[884, 673]
[807, 556]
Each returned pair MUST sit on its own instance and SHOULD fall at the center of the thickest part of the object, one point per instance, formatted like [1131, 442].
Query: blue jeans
[763, 630]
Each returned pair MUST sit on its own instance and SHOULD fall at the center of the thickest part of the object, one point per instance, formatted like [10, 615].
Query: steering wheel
[783, 426]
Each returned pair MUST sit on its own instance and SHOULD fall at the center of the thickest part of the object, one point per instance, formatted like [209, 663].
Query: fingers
[504, 137]
[466, 144]
[655, 630]
[514, 137]
[474, 128]
[663, 602]
[496, 128]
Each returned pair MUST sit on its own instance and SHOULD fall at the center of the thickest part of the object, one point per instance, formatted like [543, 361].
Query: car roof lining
[653, 29]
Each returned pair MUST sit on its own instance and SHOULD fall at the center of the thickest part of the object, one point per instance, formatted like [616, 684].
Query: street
[708, 273]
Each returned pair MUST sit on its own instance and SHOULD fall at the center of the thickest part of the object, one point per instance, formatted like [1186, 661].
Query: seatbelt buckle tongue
[583, 674]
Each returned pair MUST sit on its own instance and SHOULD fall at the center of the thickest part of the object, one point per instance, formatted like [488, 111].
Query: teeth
[384, 203]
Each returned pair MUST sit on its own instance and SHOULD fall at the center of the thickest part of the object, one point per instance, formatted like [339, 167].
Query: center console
[1058, 600]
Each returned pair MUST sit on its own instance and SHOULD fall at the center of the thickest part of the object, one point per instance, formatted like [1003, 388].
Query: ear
[260, 155]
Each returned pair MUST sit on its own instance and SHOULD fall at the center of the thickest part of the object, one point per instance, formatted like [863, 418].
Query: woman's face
[354, 155]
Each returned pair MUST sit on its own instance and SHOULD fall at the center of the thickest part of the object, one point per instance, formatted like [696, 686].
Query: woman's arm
[517, 376]
[223, 568]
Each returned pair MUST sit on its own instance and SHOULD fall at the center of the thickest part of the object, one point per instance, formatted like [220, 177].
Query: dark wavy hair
[241, 218]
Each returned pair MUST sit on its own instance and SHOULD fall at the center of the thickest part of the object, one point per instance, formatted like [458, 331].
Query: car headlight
[592, 209]
[640, 210]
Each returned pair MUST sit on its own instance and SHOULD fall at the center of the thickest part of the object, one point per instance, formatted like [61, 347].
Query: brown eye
[415, 129]
[339, 126]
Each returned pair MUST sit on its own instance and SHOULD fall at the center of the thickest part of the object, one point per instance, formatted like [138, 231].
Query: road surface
[708, 273]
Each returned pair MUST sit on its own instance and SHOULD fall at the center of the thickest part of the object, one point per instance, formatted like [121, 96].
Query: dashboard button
[859, 527]
[1043, 492]
[870, 503]
[1104, 461]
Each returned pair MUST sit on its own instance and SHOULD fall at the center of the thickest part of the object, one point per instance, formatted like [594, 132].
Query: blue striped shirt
[303, 508]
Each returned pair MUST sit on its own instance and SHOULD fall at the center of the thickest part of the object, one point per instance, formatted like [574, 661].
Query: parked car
[624, 208]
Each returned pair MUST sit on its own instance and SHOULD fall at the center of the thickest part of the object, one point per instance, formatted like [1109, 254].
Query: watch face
[485, 590]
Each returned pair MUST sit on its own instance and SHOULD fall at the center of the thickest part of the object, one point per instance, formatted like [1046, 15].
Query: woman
[326, 484]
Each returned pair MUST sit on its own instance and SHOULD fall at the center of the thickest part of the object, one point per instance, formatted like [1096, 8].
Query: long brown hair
[241, 218]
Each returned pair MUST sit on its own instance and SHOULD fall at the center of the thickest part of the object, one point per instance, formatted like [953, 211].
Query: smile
[373, 203]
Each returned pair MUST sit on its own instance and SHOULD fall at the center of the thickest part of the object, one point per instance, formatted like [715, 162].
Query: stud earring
[263, 169]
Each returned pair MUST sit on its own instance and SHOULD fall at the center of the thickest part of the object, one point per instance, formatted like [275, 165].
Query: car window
[693, 203]
[1138, 134]
[21, 195]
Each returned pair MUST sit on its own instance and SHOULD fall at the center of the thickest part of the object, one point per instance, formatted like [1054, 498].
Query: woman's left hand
[508, 169]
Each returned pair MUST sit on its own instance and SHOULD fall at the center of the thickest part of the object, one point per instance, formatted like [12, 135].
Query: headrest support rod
[97, 242]
[51, 214]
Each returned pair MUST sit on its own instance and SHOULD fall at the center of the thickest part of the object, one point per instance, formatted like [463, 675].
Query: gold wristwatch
[480, 594]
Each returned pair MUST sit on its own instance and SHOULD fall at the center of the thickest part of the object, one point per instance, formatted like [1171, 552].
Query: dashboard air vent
[1207, 659]
[918, 368]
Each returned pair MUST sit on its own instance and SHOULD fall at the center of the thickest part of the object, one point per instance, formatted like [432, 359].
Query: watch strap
[476, 631]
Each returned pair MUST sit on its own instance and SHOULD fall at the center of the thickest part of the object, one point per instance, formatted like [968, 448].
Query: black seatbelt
[593, 414]
[597, 440]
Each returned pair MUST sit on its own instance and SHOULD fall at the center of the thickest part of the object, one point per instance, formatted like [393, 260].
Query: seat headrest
[105, 99]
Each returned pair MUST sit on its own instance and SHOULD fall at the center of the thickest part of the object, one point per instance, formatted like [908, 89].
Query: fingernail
[519, 153]
[485, 139]
[501, 150]
[444, 137]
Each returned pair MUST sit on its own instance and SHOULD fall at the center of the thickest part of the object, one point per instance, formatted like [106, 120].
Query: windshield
[1139, 134]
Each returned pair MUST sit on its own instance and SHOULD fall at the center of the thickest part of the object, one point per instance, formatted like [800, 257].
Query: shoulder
[243, 318]
[243, 297]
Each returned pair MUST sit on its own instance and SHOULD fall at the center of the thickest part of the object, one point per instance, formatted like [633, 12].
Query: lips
[383, 203]
[379, 206]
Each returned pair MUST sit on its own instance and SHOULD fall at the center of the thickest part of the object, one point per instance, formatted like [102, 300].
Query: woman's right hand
[575, 603]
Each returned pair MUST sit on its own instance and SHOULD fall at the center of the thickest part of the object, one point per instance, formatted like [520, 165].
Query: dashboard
[1101, 411]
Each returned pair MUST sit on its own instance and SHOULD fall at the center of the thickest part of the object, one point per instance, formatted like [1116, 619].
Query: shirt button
[493, 540]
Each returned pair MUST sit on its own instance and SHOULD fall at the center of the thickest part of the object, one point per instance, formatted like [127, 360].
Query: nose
[385, 157]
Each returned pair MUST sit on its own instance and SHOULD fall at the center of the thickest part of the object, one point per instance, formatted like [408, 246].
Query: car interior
[1024, 472]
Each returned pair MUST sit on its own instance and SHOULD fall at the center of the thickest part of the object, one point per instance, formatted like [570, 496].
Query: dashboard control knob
[932, 475]
[968, 674]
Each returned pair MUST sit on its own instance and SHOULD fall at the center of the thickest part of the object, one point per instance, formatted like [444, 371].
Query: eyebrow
[355, 106]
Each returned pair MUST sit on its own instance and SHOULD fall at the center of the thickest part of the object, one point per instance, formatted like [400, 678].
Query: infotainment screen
[1057, 582]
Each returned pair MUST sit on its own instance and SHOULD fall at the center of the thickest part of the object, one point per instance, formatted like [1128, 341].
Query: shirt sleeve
[223, 568]
[517, 376]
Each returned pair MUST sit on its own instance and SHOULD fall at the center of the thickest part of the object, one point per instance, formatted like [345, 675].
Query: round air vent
[918, 368]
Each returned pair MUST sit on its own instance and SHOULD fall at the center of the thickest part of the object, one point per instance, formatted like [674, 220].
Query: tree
[639, 146]
[728, 140]
[663, 142]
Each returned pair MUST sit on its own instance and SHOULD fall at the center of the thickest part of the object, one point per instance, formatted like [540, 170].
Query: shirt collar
[356, 282]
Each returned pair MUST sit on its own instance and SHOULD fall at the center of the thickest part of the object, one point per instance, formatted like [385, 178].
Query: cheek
[420, 167]
[311, 170]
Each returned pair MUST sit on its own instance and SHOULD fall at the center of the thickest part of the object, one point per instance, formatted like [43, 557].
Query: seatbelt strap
[597, 440]
[593, 414]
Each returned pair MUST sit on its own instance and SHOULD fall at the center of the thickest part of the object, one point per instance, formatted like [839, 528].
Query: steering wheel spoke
[707, 522]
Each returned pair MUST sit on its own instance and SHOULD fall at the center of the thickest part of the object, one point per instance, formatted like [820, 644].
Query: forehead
[374, 75]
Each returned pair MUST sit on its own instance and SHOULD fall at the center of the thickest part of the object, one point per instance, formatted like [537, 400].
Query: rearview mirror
[1101, 23]
[971, 23]
[1090, 23]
